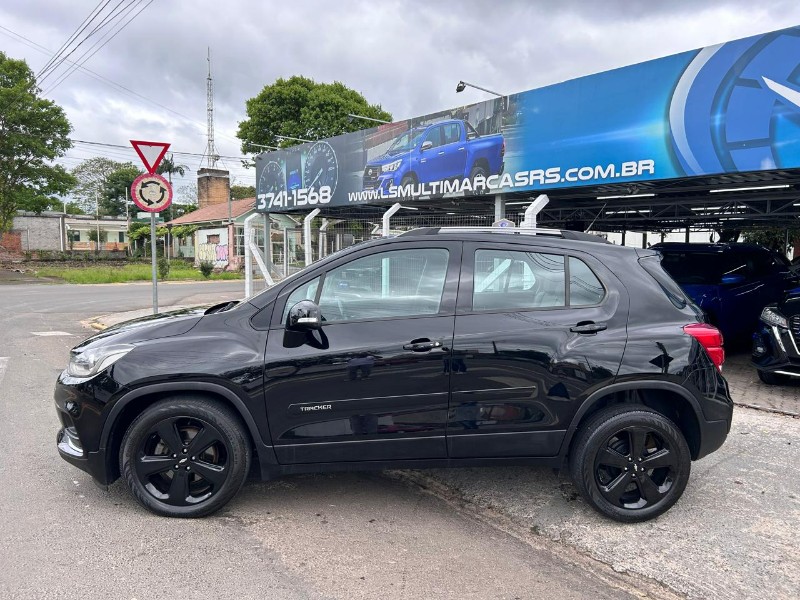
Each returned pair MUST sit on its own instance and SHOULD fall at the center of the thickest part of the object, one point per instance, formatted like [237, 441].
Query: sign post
[152, 193]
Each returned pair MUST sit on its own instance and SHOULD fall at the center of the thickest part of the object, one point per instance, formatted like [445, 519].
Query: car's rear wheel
[772, 378]
[630, 463]
[185, 457]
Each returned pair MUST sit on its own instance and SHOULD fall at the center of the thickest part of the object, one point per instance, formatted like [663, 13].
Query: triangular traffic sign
[151, 153]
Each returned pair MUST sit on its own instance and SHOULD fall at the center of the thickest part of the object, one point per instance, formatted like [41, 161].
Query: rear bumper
[714, 434]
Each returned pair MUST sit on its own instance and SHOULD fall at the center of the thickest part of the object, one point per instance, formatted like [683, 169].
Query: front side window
[434, 136]
[400, 283]
[518, 280]
[307, 291]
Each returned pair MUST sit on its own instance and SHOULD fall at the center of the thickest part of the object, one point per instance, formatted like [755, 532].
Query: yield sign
[151, 153]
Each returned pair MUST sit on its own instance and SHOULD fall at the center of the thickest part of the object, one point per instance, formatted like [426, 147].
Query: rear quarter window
[652, 264]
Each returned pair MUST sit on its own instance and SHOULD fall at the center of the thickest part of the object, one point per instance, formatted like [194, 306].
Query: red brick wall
[11, 242]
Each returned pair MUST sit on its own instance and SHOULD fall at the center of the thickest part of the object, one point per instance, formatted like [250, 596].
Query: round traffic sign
[151, 192]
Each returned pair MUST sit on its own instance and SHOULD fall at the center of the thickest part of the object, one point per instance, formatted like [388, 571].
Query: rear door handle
[588, 327]
[423, 345]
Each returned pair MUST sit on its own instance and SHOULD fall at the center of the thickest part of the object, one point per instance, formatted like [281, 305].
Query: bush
[206, 268]
[163, 268]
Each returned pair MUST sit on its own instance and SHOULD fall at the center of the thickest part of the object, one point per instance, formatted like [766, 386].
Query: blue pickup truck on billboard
[729, 108]
[442, 151]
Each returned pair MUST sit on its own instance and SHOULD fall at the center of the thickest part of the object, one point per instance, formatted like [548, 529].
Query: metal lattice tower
[211, 151]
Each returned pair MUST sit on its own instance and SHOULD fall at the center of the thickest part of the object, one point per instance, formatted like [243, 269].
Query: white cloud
[407, 56]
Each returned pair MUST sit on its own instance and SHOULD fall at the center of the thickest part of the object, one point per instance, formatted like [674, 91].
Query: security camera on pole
[152, 193]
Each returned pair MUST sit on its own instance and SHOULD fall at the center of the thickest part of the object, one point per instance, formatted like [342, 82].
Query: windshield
[704, 267]
[406, 141]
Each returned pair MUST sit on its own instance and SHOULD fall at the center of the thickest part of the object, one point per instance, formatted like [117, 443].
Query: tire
[204, 440]
[478, 170]
[771, 378]
[612, 479]
[408, 179]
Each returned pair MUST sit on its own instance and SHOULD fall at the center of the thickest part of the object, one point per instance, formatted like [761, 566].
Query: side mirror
[426, 145]
[303, 316]
[732, 279]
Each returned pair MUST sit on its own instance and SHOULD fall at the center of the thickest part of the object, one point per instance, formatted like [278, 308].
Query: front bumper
[81, 407]
[93, 463]
[775, 350]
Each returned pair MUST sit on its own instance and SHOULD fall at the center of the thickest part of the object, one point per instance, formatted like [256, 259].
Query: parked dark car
[775, 344]
[731, 282]
[436, 348]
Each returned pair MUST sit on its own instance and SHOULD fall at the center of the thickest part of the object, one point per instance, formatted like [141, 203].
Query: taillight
[710, 338]
[503, 148]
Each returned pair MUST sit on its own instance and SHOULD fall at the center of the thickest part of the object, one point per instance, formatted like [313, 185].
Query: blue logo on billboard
[737, 106]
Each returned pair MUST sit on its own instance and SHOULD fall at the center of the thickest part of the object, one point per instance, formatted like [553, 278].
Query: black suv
[437, 348]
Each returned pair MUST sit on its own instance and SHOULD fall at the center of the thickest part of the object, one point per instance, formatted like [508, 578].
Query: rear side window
[652, 264]
[518, 280]
[585, 288]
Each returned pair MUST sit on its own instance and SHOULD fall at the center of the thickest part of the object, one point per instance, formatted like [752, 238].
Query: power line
[173, 151]
[117, 32]
[78, 30]
[55, 64]
[103, 79]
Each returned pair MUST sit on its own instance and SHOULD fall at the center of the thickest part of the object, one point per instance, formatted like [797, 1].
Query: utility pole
[97, 220]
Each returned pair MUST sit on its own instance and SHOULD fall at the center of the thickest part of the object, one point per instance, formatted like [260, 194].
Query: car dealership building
[706, 140]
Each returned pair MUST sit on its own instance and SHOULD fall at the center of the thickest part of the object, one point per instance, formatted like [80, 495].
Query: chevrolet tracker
[436, 348]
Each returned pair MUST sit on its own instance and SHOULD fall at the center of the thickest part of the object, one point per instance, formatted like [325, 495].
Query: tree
[187, 194]
[773, 238]
[302, 108]
[240, 192]
[182, 209]
[33, 133]
[116, 188]
[93, 175]
[168, 166]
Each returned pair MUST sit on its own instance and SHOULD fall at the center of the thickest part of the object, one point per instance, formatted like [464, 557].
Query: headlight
[93, 360]
[392, 166]
[770, 316]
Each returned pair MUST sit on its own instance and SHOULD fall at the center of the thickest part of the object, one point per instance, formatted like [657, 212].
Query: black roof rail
[561, 233]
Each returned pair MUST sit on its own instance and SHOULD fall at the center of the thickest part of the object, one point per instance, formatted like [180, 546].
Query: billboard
[733, 107]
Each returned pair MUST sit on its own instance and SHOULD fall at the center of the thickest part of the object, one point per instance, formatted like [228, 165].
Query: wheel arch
[666, 398]
[481, 161]
[132, 404]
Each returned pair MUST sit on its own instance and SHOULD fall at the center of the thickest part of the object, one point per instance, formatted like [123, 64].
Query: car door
[455, 150]
[371, 383]
[536, 329]
[432, 157]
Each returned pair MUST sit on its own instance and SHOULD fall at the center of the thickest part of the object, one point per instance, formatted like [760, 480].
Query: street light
[263, 146]
[462, 85]
[287, 137]
[351, 117]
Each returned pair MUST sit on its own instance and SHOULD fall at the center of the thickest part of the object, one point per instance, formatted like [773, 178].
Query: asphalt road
[332, 536]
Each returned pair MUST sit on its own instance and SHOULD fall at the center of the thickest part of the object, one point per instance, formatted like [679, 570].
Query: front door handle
[422, 345]
[588, 327]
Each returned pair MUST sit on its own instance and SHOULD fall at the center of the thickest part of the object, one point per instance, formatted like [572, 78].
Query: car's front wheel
[185, 457]
[630, 463]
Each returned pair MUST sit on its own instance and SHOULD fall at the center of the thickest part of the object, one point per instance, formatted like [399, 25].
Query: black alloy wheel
[185, 457]
[630, 463]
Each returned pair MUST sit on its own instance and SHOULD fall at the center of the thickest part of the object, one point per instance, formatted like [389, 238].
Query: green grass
[125, 273]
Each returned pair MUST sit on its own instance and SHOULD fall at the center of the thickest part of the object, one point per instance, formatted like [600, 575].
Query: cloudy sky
[149, 81]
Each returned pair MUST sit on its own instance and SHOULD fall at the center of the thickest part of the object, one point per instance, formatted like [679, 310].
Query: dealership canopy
[709, 137]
